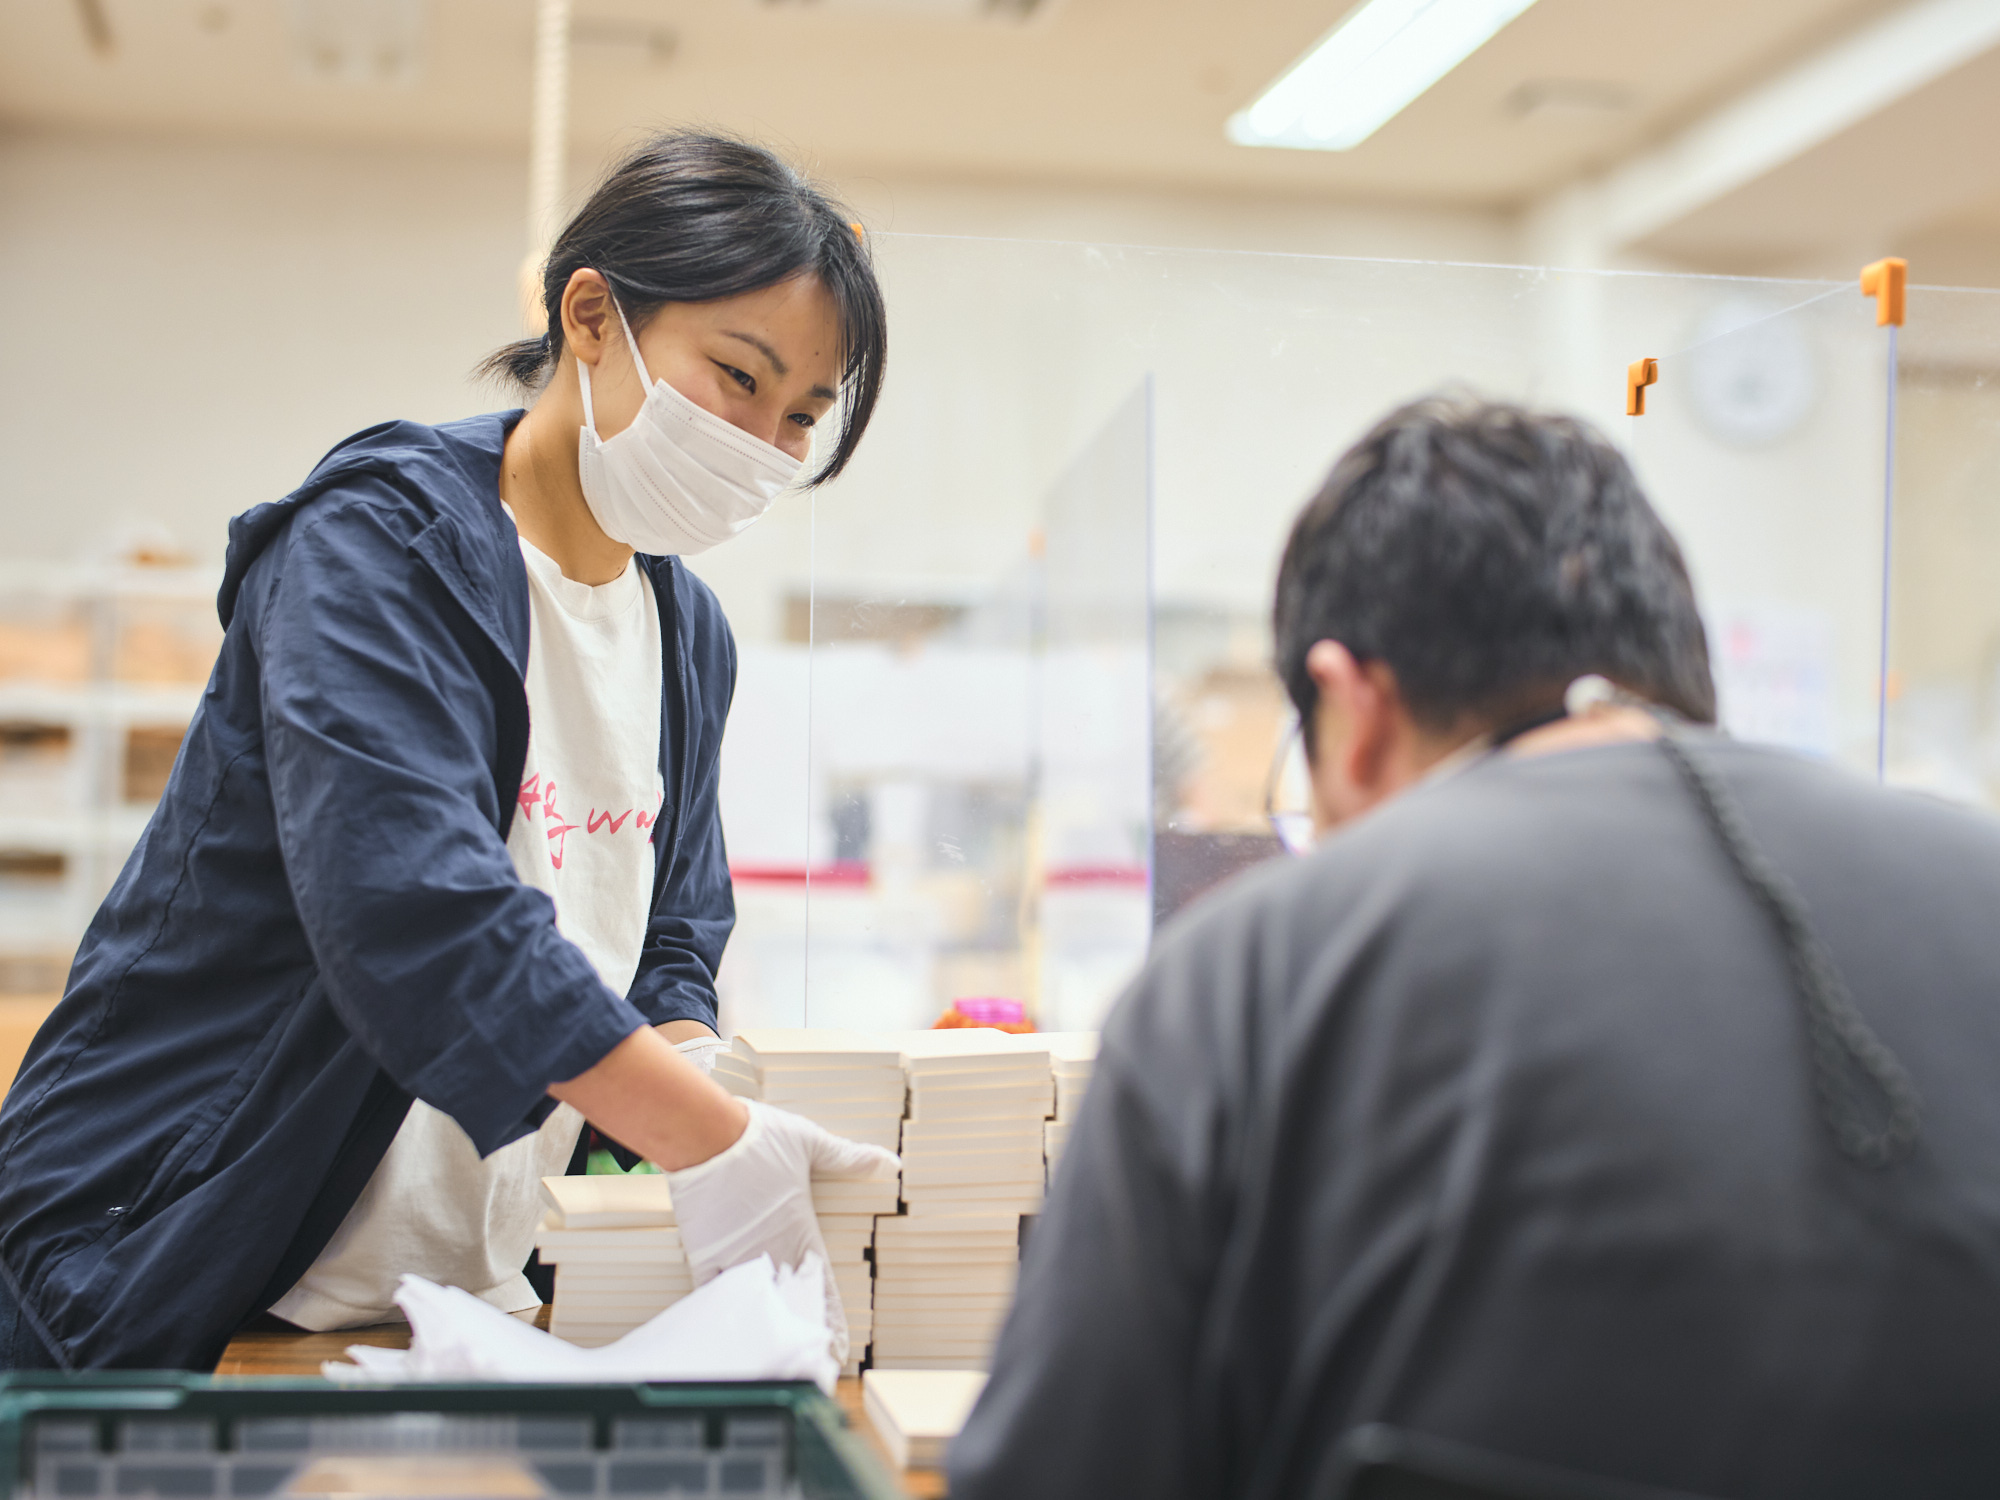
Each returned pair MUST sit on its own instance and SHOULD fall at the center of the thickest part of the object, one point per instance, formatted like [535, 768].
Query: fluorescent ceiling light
[1369, 69]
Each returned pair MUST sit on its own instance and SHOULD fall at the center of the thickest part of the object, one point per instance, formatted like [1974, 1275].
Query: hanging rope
[548, 148]
[1865, 1097]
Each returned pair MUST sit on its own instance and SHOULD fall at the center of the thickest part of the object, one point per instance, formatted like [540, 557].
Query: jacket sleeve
[696, 909]
[382, 728]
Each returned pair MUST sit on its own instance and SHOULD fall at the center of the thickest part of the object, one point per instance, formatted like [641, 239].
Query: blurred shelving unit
[101, 669]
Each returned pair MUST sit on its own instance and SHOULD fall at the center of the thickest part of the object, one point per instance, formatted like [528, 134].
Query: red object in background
[843, 872]
[1001, 1015]
[1071, 875]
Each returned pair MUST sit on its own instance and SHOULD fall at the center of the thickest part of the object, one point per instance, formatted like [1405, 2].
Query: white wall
[191, 325]
[1201, 221]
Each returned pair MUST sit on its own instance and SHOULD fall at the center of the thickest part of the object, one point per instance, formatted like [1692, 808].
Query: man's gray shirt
[1494, 1119]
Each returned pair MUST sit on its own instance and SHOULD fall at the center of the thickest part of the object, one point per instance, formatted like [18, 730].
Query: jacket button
[112, 1213]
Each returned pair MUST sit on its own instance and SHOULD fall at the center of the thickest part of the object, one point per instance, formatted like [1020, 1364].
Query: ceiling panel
[1865, 191]
[1132, 92]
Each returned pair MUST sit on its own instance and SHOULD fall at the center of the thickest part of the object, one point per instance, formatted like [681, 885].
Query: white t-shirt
[590, 793]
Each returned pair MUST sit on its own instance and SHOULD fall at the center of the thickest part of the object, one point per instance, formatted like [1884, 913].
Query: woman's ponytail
[525, 362]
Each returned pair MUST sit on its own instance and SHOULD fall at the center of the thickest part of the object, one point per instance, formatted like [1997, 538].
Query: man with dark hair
[1610, 1096]
[1489, 558]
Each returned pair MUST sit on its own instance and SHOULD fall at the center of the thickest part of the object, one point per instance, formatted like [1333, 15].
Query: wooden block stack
[619, 1261]
[851, 1084]
[980, 1118]
[972, 1165]
[919, 1412]
[1072, 1056]
[942, 1289]
[616, 1251]
[847, 1213]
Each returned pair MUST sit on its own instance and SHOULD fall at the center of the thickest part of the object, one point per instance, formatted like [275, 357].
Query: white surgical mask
[679, 479]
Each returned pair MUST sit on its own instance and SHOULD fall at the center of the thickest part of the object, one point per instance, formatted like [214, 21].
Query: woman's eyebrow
[761, 347]
[819, 392]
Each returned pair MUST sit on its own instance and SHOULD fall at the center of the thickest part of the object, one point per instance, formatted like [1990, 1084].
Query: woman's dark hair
[1490, 556]
[690, 217]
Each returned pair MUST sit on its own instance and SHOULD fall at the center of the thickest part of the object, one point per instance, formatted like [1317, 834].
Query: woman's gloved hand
[755, 1198]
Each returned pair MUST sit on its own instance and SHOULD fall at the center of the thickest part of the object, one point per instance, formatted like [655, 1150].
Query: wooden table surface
[269, 1347]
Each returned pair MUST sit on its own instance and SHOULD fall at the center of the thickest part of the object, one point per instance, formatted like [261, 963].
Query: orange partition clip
[1884, 281]
[1638, 375]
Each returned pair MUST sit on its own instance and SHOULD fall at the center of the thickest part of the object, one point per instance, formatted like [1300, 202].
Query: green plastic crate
[117, 1436]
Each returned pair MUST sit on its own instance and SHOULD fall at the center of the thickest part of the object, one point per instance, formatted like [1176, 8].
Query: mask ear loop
[583, 379]
[638, 363]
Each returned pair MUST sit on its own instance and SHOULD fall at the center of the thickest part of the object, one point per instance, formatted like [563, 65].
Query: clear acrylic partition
[1944, 623]
[1091, 814]
[924, 847]
[763, 579]
[1764, 444]
[941, 759]
[921, 772]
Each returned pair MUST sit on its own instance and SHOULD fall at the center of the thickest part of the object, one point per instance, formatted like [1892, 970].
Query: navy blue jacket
[322, 921]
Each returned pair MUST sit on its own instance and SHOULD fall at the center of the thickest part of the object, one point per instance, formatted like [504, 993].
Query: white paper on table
[753, 1322]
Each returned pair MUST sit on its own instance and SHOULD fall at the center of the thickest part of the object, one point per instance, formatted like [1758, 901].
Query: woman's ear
[588, 315]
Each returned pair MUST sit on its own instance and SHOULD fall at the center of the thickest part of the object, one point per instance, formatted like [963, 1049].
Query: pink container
[991, 1011]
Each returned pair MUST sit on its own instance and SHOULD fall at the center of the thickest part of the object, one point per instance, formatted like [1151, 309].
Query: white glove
[756, 1199]
[702, 1051]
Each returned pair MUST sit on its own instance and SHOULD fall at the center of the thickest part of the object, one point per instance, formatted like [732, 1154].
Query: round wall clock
[1753, 373]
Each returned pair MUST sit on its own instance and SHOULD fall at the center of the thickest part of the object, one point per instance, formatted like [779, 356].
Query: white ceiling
[1131, 93]
[1127, 91]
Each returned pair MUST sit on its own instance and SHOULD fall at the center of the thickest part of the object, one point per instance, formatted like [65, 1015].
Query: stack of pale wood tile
[616, 1251]
[852, 1084]
[919, 1412]
[925, 1264]
[618, 1258]
[972, 1165]
[1072, 1056]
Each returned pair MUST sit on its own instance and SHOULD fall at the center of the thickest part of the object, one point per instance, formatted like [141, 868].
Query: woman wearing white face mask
[439, 874]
